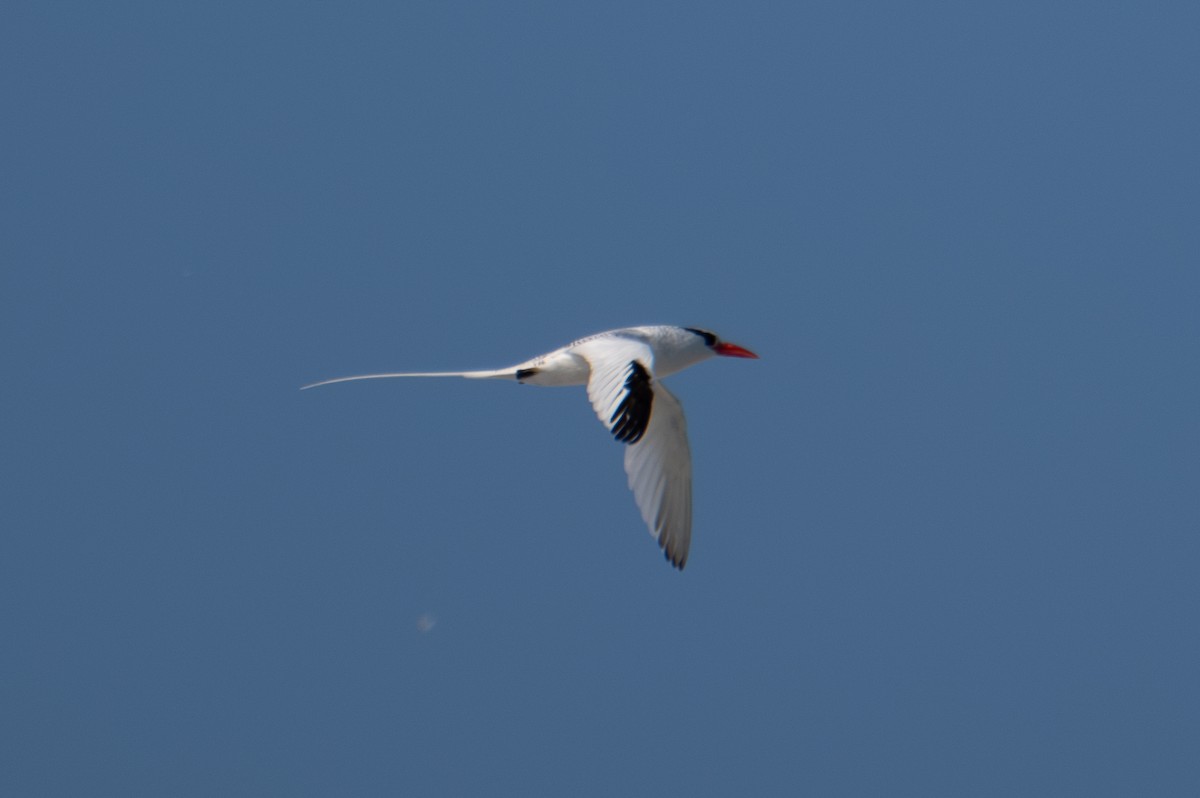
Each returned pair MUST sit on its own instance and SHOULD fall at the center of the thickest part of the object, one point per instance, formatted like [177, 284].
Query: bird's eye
[709, 338]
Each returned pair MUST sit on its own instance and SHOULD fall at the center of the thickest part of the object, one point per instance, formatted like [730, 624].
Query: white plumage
[622, 370]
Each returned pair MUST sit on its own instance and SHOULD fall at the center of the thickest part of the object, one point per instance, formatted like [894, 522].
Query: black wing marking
[632, 416]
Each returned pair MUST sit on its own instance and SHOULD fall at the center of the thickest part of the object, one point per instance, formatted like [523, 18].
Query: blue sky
[946, 528]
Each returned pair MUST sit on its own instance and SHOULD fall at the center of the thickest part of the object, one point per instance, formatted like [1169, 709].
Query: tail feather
[497, 374]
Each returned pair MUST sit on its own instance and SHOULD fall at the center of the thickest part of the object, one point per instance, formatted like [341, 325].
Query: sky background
[947, 529]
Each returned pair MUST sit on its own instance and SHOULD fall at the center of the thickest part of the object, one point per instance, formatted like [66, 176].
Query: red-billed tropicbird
[622, 370]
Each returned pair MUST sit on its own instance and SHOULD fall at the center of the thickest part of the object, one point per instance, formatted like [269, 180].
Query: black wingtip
[677, 561]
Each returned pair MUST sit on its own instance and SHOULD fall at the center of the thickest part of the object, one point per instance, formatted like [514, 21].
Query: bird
[622, 370]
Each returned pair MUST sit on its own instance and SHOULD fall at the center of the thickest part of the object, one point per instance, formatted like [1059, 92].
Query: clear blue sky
[947, 528]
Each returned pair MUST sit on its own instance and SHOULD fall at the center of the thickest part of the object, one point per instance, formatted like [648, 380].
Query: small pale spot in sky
[426, 622]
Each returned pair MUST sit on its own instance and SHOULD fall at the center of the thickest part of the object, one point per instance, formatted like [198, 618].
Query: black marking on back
[632, 415]
[709, 338]
[524, 374]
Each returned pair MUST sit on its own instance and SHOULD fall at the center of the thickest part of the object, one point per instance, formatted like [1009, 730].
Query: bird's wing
[620, 385]
[660, 475]
[642, 413]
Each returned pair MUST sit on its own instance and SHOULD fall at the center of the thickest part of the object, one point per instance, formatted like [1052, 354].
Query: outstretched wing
[643, 414]
[660, 475]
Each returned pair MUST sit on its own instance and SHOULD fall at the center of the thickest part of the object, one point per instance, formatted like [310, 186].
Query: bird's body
[622, 369]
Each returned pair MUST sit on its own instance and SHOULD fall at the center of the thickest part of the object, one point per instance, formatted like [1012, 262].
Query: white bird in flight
[622, 370]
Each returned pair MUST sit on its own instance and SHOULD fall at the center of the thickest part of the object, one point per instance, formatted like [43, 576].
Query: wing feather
[620, 385]
[659, 467]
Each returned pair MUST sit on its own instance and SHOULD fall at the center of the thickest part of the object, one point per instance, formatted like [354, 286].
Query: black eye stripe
[709, 338]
